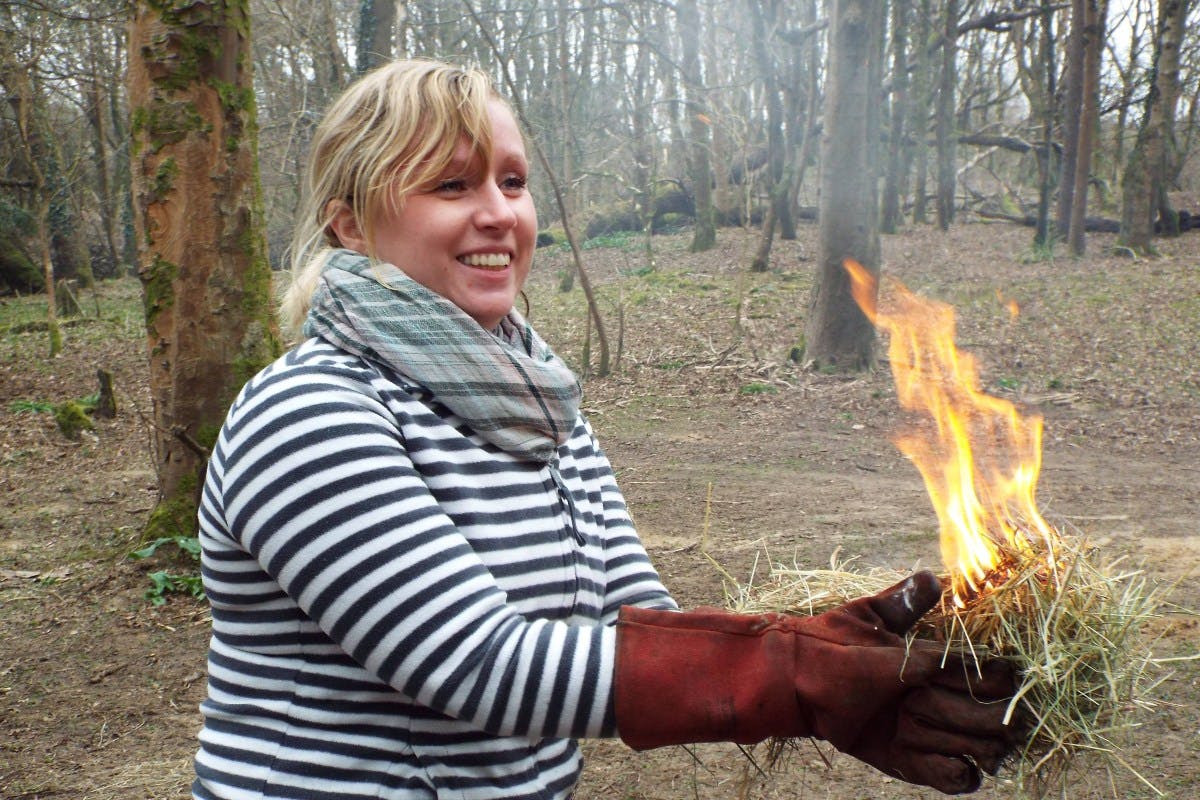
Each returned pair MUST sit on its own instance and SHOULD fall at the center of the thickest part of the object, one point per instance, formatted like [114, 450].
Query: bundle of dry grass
[1074, 629]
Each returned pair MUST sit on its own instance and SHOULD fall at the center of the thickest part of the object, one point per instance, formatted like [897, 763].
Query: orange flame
[979, 458]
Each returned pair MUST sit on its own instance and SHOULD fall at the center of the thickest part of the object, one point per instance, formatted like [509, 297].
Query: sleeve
[631, 577]
[319, 488]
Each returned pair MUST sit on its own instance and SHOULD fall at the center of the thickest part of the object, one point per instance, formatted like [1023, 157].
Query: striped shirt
[399, 609]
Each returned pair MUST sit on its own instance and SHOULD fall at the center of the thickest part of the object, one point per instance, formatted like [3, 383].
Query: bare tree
[640, 104]
[837, 334]
[1038, 74]
[1072, 109]
[377, 21]
[700, 170]
[922, 100]
[202, 256]
[17, 61]
[805, 94]
[630, 100]
[1125, 64]
[892, 214]
[1095, 13]
[1147, 172]
[764, 16]
[947, 168]
[103, 106]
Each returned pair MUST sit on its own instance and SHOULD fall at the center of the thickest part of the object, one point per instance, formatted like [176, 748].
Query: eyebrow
[515, 157]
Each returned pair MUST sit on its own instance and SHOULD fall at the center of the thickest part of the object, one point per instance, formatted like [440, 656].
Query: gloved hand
[847, 676]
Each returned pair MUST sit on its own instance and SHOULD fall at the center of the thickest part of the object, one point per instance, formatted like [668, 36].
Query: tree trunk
[1145, 179]
[32, 136]
[762, 17]
[837, 334]
[947, 175]
[805, 117]
[330, 66]
[96, 115]
[761, 261]
[55, 342]
[1129, 86]
[1072, 116]
[202, 254]
[119, 125]
[1095, 16]
[723, 150]
[892, 214]
[922, 91]
[704, 236]
[376, 33]
[563, 87]
[1043, 235]
[1175, 14]
[644, 169]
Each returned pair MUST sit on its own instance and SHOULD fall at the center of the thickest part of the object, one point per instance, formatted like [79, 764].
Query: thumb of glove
[901, 605]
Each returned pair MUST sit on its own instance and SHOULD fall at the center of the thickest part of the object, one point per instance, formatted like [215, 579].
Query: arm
[318, 486]
[850, 676]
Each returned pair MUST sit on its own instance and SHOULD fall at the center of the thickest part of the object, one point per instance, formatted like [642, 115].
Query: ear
[343, 223]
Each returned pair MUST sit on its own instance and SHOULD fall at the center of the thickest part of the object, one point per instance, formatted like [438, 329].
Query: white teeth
[486, 259]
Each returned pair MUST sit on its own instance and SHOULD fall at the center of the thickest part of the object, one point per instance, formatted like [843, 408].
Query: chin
[492, 313]
[488, 320]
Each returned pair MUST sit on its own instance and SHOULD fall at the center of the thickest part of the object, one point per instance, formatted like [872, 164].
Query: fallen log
[1187, 221]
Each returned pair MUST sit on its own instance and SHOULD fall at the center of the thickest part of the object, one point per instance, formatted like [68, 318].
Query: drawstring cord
[564, 496]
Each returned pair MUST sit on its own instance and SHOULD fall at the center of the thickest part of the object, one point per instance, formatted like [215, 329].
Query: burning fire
[979, 457]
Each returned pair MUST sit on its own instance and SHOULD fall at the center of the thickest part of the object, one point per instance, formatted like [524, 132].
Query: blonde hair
[390, 132]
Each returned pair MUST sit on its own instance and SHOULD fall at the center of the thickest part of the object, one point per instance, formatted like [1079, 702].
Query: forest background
[680, 149]
[635, 106]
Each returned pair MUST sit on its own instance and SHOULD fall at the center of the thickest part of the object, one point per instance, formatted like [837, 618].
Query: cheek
[528, 215]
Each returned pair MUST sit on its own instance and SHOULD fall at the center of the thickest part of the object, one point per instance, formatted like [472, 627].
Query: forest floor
[731, 458]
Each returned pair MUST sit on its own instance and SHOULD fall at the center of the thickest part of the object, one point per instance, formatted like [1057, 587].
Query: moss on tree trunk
[202, 252]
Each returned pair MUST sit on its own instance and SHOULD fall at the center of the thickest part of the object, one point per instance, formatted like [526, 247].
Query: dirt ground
[728, 454]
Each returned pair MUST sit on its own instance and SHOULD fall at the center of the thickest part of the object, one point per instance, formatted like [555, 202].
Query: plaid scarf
[507, 386]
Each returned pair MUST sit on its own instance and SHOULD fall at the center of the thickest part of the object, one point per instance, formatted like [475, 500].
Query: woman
[424, 580]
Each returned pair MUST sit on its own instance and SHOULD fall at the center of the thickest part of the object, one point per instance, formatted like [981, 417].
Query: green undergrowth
[184, 552]
[112, 309]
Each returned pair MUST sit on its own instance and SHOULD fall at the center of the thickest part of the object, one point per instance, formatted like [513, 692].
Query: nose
[494, 210]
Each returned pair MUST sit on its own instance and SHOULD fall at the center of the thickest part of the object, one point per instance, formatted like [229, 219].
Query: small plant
[164, 582]
[1037, 253]
[31, 407]
[189, 545]
[1008, 383]
[621, 240]
[757, 388]
[72, 416]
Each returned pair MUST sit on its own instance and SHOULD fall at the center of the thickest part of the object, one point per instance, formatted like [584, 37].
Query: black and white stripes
[400, 610]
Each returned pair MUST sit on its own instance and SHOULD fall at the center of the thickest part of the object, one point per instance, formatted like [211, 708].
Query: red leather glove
[847, 676]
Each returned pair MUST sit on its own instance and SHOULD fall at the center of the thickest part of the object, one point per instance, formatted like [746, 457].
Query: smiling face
[469, 234]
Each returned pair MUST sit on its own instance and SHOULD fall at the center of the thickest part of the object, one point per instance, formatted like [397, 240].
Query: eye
[452, 186]
[514, 184]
